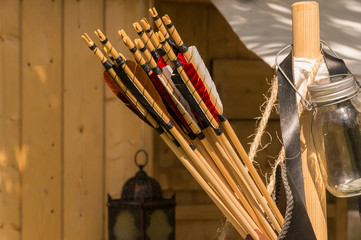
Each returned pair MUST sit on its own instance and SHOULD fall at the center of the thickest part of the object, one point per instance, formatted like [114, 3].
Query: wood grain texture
[169, 171]
[191, 22]
[337, 218]
[242, 85]
[198, 229]
[197, 212]
[306, 29]
[121, 15]
[270, 142]
[42, 120]
[188, 1]
[315, 191]
[306, 44]
[125, 132]
[10, 152]
[83, 184]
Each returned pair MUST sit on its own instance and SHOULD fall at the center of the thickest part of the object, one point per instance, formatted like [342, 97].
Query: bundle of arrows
[169, 87]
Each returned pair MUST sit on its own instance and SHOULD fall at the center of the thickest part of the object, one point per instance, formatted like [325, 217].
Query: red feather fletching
[198, 85]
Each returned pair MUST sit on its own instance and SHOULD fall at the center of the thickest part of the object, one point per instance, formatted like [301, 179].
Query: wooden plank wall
[10, 120]
[65, 140]
[41, 119]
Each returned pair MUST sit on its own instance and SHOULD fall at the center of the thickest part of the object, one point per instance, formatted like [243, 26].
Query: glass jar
[337, 134]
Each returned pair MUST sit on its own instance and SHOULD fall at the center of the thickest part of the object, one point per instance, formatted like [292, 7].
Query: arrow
[202, 139]
[113, 80]
[207, 145]
[150, 33]
[158, 113]
[226, 125]
[210, 119]
[164, 87]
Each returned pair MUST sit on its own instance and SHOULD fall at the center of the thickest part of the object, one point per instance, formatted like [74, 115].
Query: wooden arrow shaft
[220, 187]
[201, 180]
[228, 177]
[253, 172]
[158, 22]
[239, 179]
[243, 179]
[151, 35]
[229, 198]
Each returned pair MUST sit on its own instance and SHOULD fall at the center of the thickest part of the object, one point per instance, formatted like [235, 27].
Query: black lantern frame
[141, 196]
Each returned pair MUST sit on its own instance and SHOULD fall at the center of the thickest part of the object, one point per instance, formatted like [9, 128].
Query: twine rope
[265, 116]
[270, 102]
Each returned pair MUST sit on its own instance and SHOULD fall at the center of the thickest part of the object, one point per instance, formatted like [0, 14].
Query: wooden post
[306, 29]
[306, 44]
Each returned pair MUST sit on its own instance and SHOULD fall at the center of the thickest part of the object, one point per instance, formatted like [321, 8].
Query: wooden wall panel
[337, 219]
[265, 158]
[10, 221]
[121, 15]
[125, 132]
[190, 21]
[244, 82]
[315, 191]
[170, 172]
[42, 119]
[198, 229]
[84, 143]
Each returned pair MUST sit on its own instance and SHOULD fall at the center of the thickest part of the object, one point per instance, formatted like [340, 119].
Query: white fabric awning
[265, 26]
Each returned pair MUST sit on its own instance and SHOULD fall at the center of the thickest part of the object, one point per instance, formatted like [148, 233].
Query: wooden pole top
[306, 29]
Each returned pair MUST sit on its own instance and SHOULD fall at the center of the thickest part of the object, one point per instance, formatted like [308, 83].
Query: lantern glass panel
[159, 228]
[125, 227]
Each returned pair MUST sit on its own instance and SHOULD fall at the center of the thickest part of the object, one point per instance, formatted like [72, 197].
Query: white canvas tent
[265, 26]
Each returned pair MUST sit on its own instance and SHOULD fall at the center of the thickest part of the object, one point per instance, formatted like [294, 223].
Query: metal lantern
[141, 213]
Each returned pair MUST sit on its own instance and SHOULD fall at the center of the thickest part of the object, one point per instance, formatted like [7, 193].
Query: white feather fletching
[205, 74]
[167, 70]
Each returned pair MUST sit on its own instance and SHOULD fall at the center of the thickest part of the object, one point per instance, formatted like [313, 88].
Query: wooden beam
[10, 120]
[197, 212]
[306, 29]
[84, 140]
[125, 132]
[242, 82]
[306, 44]
[42, 119]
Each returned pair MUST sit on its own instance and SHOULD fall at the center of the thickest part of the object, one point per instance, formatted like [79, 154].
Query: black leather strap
[290, 125]
[335, 65]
